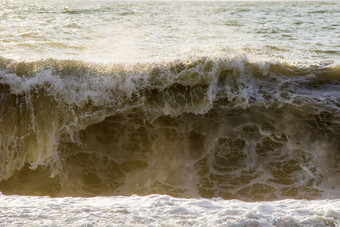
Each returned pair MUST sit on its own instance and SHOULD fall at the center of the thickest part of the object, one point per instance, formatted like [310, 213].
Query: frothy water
[165, 210]
[228, 100]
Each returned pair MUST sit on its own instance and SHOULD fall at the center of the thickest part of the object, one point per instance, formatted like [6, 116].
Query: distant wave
[194, 128]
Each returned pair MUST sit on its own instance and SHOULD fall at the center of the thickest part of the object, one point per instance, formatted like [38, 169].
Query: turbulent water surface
[237, 100]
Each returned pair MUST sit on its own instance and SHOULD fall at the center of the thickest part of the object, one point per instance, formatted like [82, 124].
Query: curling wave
[195, 128]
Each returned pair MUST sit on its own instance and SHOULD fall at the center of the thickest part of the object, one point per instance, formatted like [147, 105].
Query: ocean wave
[202, 127]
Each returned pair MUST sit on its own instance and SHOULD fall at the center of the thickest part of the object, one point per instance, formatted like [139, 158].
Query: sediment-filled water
[210, 127]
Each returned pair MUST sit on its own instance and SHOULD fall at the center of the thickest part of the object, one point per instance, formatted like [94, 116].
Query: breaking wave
[208, 127]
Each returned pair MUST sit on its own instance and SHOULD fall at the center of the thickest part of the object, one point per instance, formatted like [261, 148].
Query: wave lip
[206, 127]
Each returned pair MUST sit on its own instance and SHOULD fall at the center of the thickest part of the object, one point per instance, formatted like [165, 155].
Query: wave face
[226, 128]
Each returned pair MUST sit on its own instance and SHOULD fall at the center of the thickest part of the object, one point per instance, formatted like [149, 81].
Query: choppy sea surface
[179, 113]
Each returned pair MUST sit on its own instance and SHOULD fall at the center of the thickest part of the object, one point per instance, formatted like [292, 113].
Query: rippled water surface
[111, 31]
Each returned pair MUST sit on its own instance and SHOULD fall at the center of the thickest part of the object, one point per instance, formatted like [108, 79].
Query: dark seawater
[207, 127]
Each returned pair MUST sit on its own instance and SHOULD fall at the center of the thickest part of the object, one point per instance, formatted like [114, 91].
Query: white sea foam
[165, 210]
